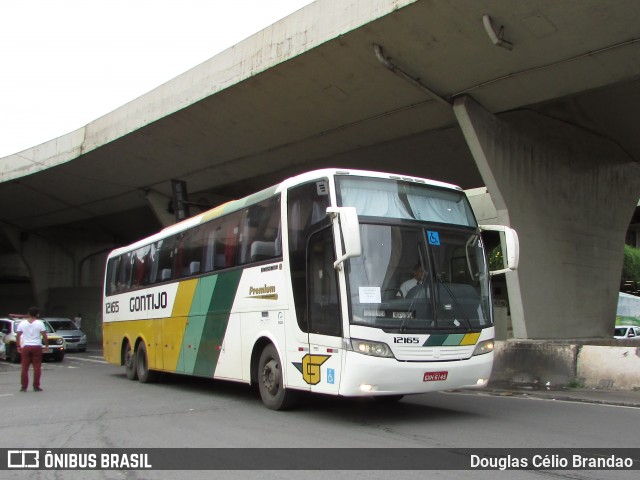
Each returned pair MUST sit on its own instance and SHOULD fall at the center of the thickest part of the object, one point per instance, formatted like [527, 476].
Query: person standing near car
[31, 340]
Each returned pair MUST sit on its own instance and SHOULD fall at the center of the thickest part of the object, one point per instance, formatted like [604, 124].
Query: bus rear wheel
[270, 381]
[130, 367]
[142, 366]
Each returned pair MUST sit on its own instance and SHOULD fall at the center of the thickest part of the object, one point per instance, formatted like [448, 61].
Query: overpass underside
[410, 87]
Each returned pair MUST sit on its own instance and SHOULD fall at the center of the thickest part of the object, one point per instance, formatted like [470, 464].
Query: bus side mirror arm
[347, 221]
[510, 246]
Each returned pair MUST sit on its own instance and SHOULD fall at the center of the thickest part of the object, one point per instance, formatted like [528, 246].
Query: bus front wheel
[270, 381]
[130, 367]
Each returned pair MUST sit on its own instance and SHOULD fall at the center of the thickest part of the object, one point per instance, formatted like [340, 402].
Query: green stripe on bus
[453, 339]
[195, 324]
[435, 340]
[215, 324]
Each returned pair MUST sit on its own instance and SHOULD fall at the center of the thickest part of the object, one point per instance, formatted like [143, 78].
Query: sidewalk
[623, 398]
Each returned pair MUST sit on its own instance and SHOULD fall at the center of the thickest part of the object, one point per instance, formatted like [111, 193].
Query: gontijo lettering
[150, 301]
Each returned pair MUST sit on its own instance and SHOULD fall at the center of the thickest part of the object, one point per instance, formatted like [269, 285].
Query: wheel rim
[128, 357]
[142, 363]
[271, 377]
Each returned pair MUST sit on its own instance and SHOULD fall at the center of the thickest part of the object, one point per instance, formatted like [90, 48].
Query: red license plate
[435, 376]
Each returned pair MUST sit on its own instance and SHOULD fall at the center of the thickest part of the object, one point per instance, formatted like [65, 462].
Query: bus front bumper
[366, 375]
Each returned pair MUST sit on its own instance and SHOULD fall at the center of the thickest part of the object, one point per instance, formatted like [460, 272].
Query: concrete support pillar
[570, 195]
[66, 271]
[49, 264]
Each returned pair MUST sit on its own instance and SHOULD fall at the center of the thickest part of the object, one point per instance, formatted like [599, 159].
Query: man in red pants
[31, 340]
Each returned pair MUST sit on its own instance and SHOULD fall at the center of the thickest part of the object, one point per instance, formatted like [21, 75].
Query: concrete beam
[158, 204]
[570, 194]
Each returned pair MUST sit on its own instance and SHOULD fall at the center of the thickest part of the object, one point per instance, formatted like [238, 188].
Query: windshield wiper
[417, 295]
[459, 309]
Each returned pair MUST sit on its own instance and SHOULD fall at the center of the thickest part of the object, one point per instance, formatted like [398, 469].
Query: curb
[629, 399]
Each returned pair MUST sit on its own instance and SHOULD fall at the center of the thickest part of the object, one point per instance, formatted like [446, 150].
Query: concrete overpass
[418, 87]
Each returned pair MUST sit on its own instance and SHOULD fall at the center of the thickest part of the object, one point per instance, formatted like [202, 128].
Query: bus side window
[123, 283]
[227, 242]
[141, 270]
[259, 234]
[192, 252]
[112, 275]
[164, 252]
[209, 247]
[178, 255]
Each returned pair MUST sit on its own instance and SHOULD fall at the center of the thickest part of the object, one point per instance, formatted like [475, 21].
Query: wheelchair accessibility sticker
[434, 238]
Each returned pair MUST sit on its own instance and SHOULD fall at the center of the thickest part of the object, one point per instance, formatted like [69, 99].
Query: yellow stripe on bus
[470, 339]
[173, 328]
[184, 298]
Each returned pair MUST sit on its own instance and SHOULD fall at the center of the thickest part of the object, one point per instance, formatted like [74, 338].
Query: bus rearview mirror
[509, 244]
[347, 218]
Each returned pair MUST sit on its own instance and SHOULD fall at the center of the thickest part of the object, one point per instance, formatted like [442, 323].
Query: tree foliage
[631, 264]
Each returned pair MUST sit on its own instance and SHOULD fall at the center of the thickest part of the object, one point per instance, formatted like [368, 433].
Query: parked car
[75, 338]
[627, 331]
[8, 327]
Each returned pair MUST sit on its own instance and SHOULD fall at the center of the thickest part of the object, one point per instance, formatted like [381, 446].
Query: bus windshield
[412, 280]
[427, 270]
[403, 200]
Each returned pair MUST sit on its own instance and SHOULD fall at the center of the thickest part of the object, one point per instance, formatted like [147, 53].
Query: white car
[8, 334]
[627, 331]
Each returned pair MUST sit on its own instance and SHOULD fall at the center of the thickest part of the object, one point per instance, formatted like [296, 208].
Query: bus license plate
[435, 376]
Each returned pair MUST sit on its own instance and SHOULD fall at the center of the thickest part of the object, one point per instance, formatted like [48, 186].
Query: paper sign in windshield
[370, 295]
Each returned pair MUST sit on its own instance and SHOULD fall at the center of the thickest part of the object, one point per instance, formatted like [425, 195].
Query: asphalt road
[87, 403]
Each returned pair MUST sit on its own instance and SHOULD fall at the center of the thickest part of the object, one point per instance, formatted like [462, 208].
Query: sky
[65, 63]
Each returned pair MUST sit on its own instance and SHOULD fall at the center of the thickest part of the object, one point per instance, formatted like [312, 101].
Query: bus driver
[417, 279]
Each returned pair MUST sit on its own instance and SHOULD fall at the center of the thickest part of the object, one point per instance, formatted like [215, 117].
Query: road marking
[82, 359]
[532, 396]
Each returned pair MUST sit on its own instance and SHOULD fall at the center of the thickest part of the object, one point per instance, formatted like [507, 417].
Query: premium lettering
[267, 289]
[268, 292]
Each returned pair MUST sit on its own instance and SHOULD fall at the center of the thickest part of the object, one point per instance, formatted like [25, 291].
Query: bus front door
[324, 361]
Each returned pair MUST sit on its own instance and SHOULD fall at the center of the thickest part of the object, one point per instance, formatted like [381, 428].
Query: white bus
[302, 287]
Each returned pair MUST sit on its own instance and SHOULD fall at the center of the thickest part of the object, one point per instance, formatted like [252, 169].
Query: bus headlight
[483, 347]
[367, 347]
